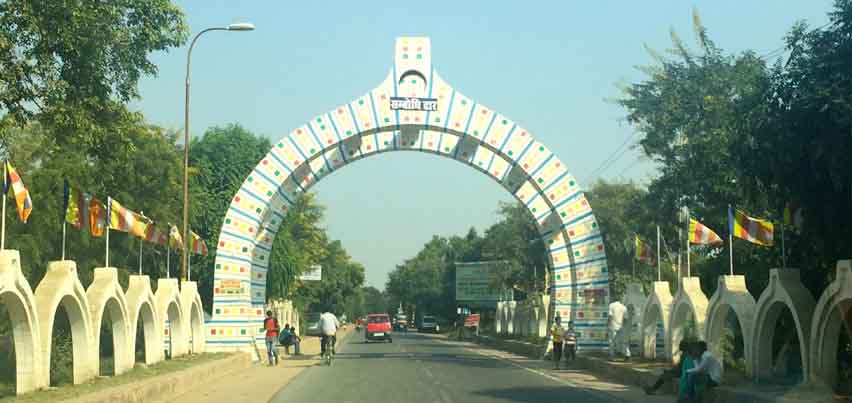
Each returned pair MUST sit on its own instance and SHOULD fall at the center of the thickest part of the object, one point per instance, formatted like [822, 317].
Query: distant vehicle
[312, 327]
[378, 327]
[401, 322]
[429, 324]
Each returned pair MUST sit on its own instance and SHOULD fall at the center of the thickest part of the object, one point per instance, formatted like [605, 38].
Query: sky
[554, 67]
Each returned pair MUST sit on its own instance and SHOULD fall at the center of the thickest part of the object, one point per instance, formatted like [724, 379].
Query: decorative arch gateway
[413, 109]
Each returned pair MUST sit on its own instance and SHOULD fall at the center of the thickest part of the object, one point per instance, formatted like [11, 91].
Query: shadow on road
[550, 394]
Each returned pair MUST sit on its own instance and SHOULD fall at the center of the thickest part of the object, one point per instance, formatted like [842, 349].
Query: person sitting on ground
[570, 341]
[706, 374]
[674, 372]
[558, 334]
[286, 339]
[295, 340]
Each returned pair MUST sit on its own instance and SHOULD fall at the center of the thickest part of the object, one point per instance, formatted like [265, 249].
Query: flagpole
[108, 207]
[783, 249]
[5, 193]
[188, 259]
[688, 269]
[679, 242]
[63, 239]
[659, 275]
[168, 253]
[634, 266]
[635, 252]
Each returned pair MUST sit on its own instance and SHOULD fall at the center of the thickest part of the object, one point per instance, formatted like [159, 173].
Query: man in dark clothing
[671, 373]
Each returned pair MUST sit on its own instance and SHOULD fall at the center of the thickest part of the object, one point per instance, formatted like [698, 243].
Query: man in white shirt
[328, 324]
[617, 333]
[707, 371]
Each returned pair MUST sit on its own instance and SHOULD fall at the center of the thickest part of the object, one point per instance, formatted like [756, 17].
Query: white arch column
[61, 286]
[731, 296]
[634, 300]
[107, 298]
[689, 301]
[784, 291]
[833, 312]
[169, 308]
[17, 296]
[194, 315]
[657, 308]
[498, 319]
[141, 305]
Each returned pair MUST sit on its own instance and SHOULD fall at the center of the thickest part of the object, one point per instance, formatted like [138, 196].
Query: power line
[611, 158]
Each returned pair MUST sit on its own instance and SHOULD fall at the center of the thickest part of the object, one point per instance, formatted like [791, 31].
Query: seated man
[707, 372]
[684, 361]
[286, 338]
[295, 340]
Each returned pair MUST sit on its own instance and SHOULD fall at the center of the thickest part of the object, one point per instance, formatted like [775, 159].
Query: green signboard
[475, 283]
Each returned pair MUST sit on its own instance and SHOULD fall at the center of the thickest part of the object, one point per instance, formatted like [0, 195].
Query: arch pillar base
[833, 312]
[689, 299]
[191, 306]
[139, 296]
[657, 306]
[634, 299]
[785, 289]
[511, 308]
[61, 285]
[499, 325]
[105, 288]
[25, 324]
[731, 295]
[168, 300]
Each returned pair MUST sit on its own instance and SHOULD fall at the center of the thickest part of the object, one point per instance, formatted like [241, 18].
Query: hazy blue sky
[550, 66]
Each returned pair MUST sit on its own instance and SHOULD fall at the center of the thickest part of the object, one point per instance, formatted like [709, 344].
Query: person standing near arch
[617, 333]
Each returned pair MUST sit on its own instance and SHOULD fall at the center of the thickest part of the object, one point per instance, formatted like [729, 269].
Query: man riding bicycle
[328, 324]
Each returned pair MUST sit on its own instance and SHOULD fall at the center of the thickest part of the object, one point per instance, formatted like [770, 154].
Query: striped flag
[123, 219]
[22, 195]
[754, 230]
[97, 218]
[793, 216]
[643, 251]
[76, 207]
[198, 245]
[155, 235]
[699, 234]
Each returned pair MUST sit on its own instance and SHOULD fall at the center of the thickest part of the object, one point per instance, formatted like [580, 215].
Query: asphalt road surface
[422, 368]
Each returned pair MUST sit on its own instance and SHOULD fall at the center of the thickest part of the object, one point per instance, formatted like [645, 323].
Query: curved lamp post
[187, 241]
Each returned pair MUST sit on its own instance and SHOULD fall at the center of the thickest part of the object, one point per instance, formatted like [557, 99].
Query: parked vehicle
[429, 324]
[312, 324]
[378, 327]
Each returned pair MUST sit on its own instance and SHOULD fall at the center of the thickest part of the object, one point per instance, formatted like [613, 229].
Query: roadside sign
[472, 320]
[314, 274]
[475, 282]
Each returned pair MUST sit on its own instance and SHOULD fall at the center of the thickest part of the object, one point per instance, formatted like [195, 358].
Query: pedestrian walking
[617, 332]
[271, 326]
[570, 341]
[558, 334]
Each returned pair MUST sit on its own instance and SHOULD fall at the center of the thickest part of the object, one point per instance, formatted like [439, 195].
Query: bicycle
[327, 350]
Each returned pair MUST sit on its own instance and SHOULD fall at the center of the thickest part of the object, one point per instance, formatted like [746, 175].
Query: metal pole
[688, 270]
[679, 242]
[106, 222]
[168, 253]
[142, 213]
[659, 275]
[63, 240]
[188, 265]
[5, 193]
[783, 249]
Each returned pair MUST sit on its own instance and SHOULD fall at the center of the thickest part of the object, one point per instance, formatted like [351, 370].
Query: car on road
[312, 327]
[378, 327]
[429, 324]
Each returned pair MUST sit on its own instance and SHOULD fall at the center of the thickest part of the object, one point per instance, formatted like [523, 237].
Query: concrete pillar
[191, 306]
[107, 302]
[61, 286]
[731, 296]
[498, 318]
[17, 296]
[510, 319]
[634, 299]
[832, 313]
[689, 301]
[169, 309]
[657, 308]
[142, 306]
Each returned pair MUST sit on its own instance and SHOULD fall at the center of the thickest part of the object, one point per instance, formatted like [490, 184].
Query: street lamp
[241, 26]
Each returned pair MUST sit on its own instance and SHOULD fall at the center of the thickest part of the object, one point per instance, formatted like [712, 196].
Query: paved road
[421, 368]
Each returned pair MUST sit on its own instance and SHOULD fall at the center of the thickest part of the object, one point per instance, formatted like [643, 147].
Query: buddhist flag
[793, 215]
[175, 240]
[97, 218]
[123, 219]
[76, 207]
[22, 195]
[155, 235]
[754, 230]
[198, 245]
[643, 251]
[699, 234]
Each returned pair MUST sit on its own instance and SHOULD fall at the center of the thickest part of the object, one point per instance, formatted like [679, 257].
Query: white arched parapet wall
[688, 301]
[512, 310]
[785, 290]
[142, 305]
[499, 319]
[833, 312]
[18, 299]
[413, 109]
[634, 299]
[169, 309]
[731, 296]
[107, 298]
[657, 307]
[194, 316]
[61, 286]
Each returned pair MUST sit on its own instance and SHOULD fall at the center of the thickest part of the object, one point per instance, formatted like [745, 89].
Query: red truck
[378, 327]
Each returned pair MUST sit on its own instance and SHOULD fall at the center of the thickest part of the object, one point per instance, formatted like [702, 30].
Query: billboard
[314, 274]
[475, 282]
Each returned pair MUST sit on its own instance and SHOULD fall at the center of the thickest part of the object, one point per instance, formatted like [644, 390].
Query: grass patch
[138, 373]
